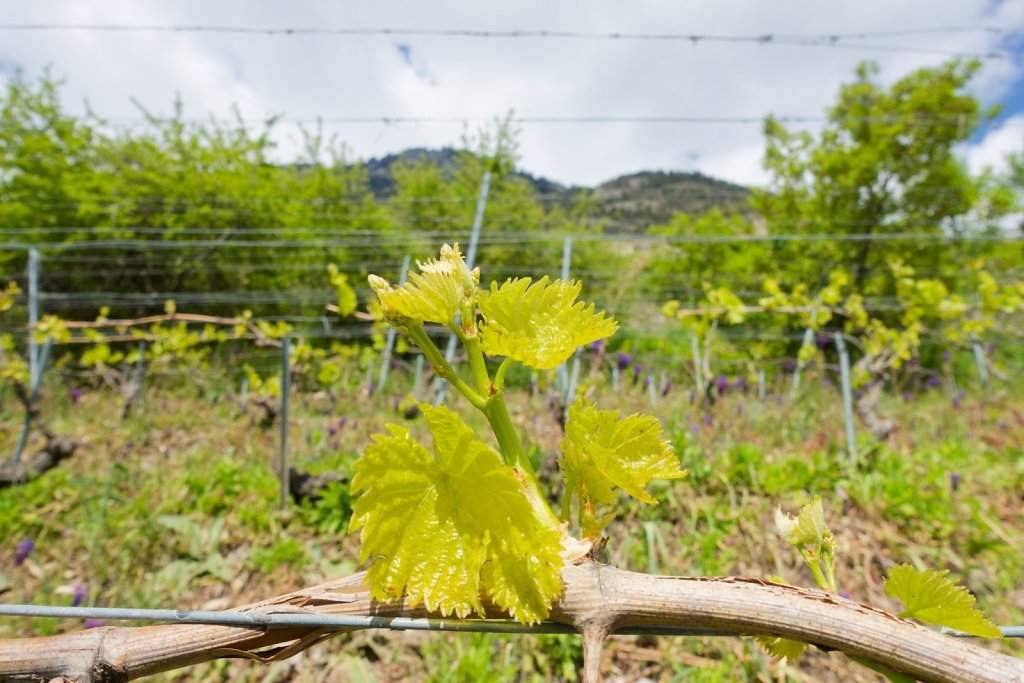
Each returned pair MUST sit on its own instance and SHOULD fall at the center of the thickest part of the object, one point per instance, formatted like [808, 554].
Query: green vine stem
[442, 367]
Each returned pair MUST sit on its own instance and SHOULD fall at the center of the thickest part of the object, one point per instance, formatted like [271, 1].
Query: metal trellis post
[243, 394]
[474, 240]
[808, 334]
[286, 385]
[844, 371]
[698, 377]
[136, 396]
[389, 345]
[979, 360]
[418, 375]
[33, 314]
[34, 387]
[568, 379]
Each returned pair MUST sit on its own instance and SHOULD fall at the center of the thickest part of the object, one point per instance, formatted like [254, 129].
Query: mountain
[633, 202]
[628, 203]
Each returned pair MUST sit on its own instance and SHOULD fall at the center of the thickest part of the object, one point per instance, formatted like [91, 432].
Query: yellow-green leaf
[602, 452]
[807, 528]
[934, 598]
[782, 648]
[346, 295]
[445, 526]
[540, 323]
[435, 294]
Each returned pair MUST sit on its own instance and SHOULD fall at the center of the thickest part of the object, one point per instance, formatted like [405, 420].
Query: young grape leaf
[345, 294]
[539, 324]
[812, 537]
[435, 294]
[782, 648]
[807, 528]
[932, 597]
[602, 452]
[435, 522]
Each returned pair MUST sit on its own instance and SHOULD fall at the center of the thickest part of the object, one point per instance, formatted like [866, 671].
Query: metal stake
[389, 345]
[286, 386]
[474, 240]
[844, 372]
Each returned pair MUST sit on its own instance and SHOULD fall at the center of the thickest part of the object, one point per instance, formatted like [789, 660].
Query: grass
[176, 505]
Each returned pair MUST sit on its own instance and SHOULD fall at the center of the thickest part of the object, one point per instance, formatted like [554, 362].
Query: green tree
[884, 162]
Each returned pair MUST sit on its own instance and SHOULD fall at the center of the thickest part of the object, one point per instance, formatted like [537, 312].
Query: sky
[455, 78]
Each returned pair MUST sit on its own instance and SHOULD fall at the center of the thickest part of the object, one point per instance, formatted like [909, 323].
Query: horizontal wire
[512, 238]
[826, 40]
[394, 227]
[129, 123]
[263, 620]
[180, 205]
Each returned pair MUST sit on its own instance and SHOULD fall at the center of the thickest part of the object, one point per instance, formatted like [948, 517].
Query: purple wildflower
[648, 380]
[637, 369]
[958, 398]
[707, 419]
[906, 396]
[788, 365]
[740, 383]
[623, 359]
[75, 393]
[823, 341]
[954, 481]
[946, 356]
[721, 383]
[342, 421]
[933, 381]
[25, 548]
[826, 381]
[858, 394]
[695, 428]
[94, 623]
[597, 346]
[667, 387]
[332, 429]
[80, 594]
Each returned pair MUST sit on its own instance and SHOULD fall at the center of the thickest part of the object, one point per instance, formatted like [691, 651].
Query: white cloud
[991, 151]
[344, 76]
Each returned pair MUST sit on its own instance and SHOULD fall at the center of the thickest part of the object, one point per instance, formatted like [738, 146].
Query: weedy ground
[176, 506]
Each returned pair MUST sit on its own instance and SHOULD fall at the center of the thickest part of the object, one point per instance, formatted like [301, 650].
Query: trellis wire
[511, 237]
[264, 620]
